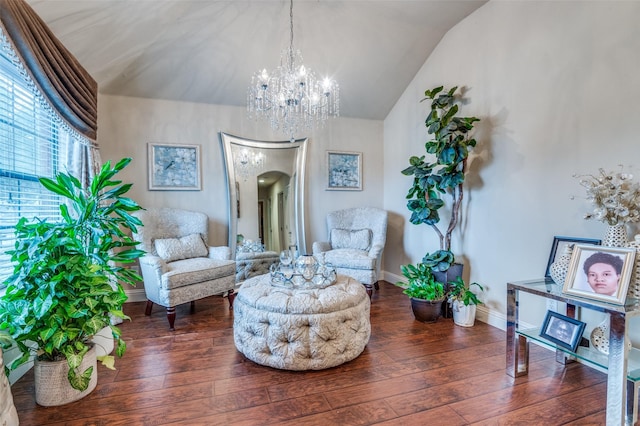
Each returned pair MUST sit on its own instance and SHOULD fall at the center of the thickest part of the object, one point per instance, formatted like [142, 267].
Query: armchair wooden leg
[369, 289]
[232, 295]
[193, 307]
[147, 309]
[171, 316]
[376, 285]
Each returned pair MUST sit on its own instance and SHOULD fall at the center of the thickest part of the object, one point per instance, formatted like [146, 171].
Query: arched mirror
[266, 193]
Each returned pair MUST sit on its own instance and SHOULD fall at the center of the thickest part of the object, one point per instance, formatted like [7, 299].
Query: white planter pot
[8, 413]
[103, 342]
[52, 384]
[464, 315]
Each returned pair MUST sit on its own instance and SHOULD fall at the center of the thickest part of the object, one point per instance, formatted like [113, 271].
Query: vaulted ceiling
[207, 50]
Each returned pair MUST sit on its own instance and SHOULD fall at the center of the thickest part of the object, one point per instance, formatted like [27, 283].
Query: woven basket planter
[52, 384]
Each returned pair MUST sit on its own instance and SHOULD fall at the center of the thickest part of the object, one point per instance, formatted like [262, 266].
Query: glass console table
[622, 364]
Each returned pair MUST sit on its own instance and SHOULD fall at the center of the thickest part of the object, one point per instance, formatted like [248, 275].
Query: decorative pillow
[170, 249]
[345, 238]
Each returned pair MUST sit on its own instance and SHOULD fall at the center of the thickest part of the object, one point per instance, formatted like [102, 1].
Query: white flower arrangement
[615, 197]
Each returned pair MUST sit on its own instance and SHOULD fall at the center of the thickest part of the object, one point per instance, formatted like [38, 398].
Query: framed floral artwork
[174, 167]
[344, 171]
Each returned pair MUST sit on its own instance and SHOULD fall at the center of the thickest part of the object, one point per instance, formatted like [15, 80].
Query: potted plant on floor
[66, 283]
[441, 176]
[463, 302]
[425, 292]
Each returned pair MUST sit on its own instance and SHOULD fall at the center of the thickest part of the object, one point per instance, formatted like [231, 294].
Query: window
[31, 138]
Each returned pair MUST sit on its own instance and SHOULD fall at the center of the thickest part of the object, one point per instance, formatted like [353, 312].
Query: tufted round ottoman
[300, 329]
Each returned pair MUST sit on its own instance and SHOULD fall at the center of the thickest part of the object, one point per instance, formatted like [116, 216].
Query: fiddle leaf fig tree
[442, 174]
[66, 283]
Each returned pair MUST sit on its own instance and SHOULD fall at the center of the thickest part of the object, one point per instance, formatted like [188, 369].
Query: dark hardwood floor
[409, 374]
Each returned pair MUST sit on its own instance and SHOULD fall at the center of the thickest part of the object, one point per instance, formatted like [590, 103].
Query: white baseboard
[483, 313]
[136, 295]
[389, 277]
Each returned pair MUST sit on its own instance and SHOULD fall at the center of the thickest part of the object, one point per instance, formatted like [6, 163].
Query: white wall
[555, 85]
[127, 124]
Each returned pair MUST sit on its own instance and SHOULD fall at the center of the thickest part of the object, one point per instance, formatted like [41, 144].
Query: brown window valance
[67, 85]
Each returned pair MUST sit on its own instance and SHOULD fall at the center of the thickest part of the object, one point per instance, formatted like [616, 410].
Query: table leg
[632, 401]
[618, 410]
[517, 349]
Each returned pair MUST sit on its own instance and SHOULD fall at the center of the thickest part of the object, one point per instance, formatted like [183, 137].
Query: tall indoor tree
[441, 174]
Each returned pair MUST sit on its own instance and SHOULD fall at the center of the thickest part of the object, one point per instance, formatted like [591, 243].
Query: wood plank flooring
[409, 374]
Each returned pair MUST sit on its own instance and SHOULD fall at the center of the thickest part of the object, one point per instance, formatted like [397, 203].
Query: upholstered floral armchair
[356, 240]
[179, 266]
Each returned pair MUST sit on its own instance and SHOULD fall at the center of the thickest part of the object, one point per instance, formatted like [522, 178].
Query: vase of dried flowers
[616, 202]
[615, 197]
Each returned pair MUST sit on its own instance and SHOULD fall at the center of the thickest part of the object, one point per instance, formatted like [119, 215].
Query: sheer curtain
[67, 86]
[83, 159]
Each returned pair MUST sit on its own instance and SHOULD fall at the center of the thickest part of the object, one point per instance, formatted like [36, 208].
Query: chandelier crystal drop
[291, 98]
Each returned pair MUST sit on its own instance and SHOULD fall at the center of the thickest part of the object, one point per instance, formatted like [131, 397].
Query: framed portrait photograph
[344, 171]
[562, 330]
[600, 273]
[560, 243]
[174, 167]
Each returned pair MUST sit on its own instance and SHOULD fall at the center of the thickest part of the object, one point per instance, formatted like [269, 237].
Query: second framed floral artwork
[174, 167]
[344, 171]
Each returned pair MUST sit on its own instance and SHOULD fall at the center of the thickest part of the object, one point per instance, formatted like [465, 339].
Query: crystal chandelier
[291, 98]
[249, 163]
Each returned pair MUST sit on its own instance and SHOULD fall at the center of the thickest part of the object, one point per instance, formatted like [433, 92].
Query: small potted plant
[66, 283]
[425, 292]
[463, 302]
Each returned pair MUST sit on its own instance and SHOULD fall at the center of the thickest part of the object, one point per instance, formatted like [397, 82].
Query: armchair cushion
[350, 258]
[359, 239]
[195, 270]
[187, 247]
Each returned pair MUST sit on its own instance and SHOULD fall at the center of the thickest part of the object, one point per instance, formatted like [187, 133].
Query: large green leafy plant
[66, 284]
[443, 172]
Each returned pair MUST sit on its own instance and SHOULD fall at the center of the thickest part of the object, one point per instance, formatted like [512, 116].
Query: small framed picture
[344, 171]
[174, 167]
[560, 243]
[600, 273]
[562, 330]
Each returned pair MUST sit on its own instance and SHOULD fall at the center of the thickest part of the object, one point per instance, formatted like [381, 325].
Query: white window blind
[30, 139]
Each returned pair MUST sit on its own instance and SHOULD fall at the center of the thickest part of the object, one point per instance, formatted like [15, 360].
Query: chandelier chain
[291, 37]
